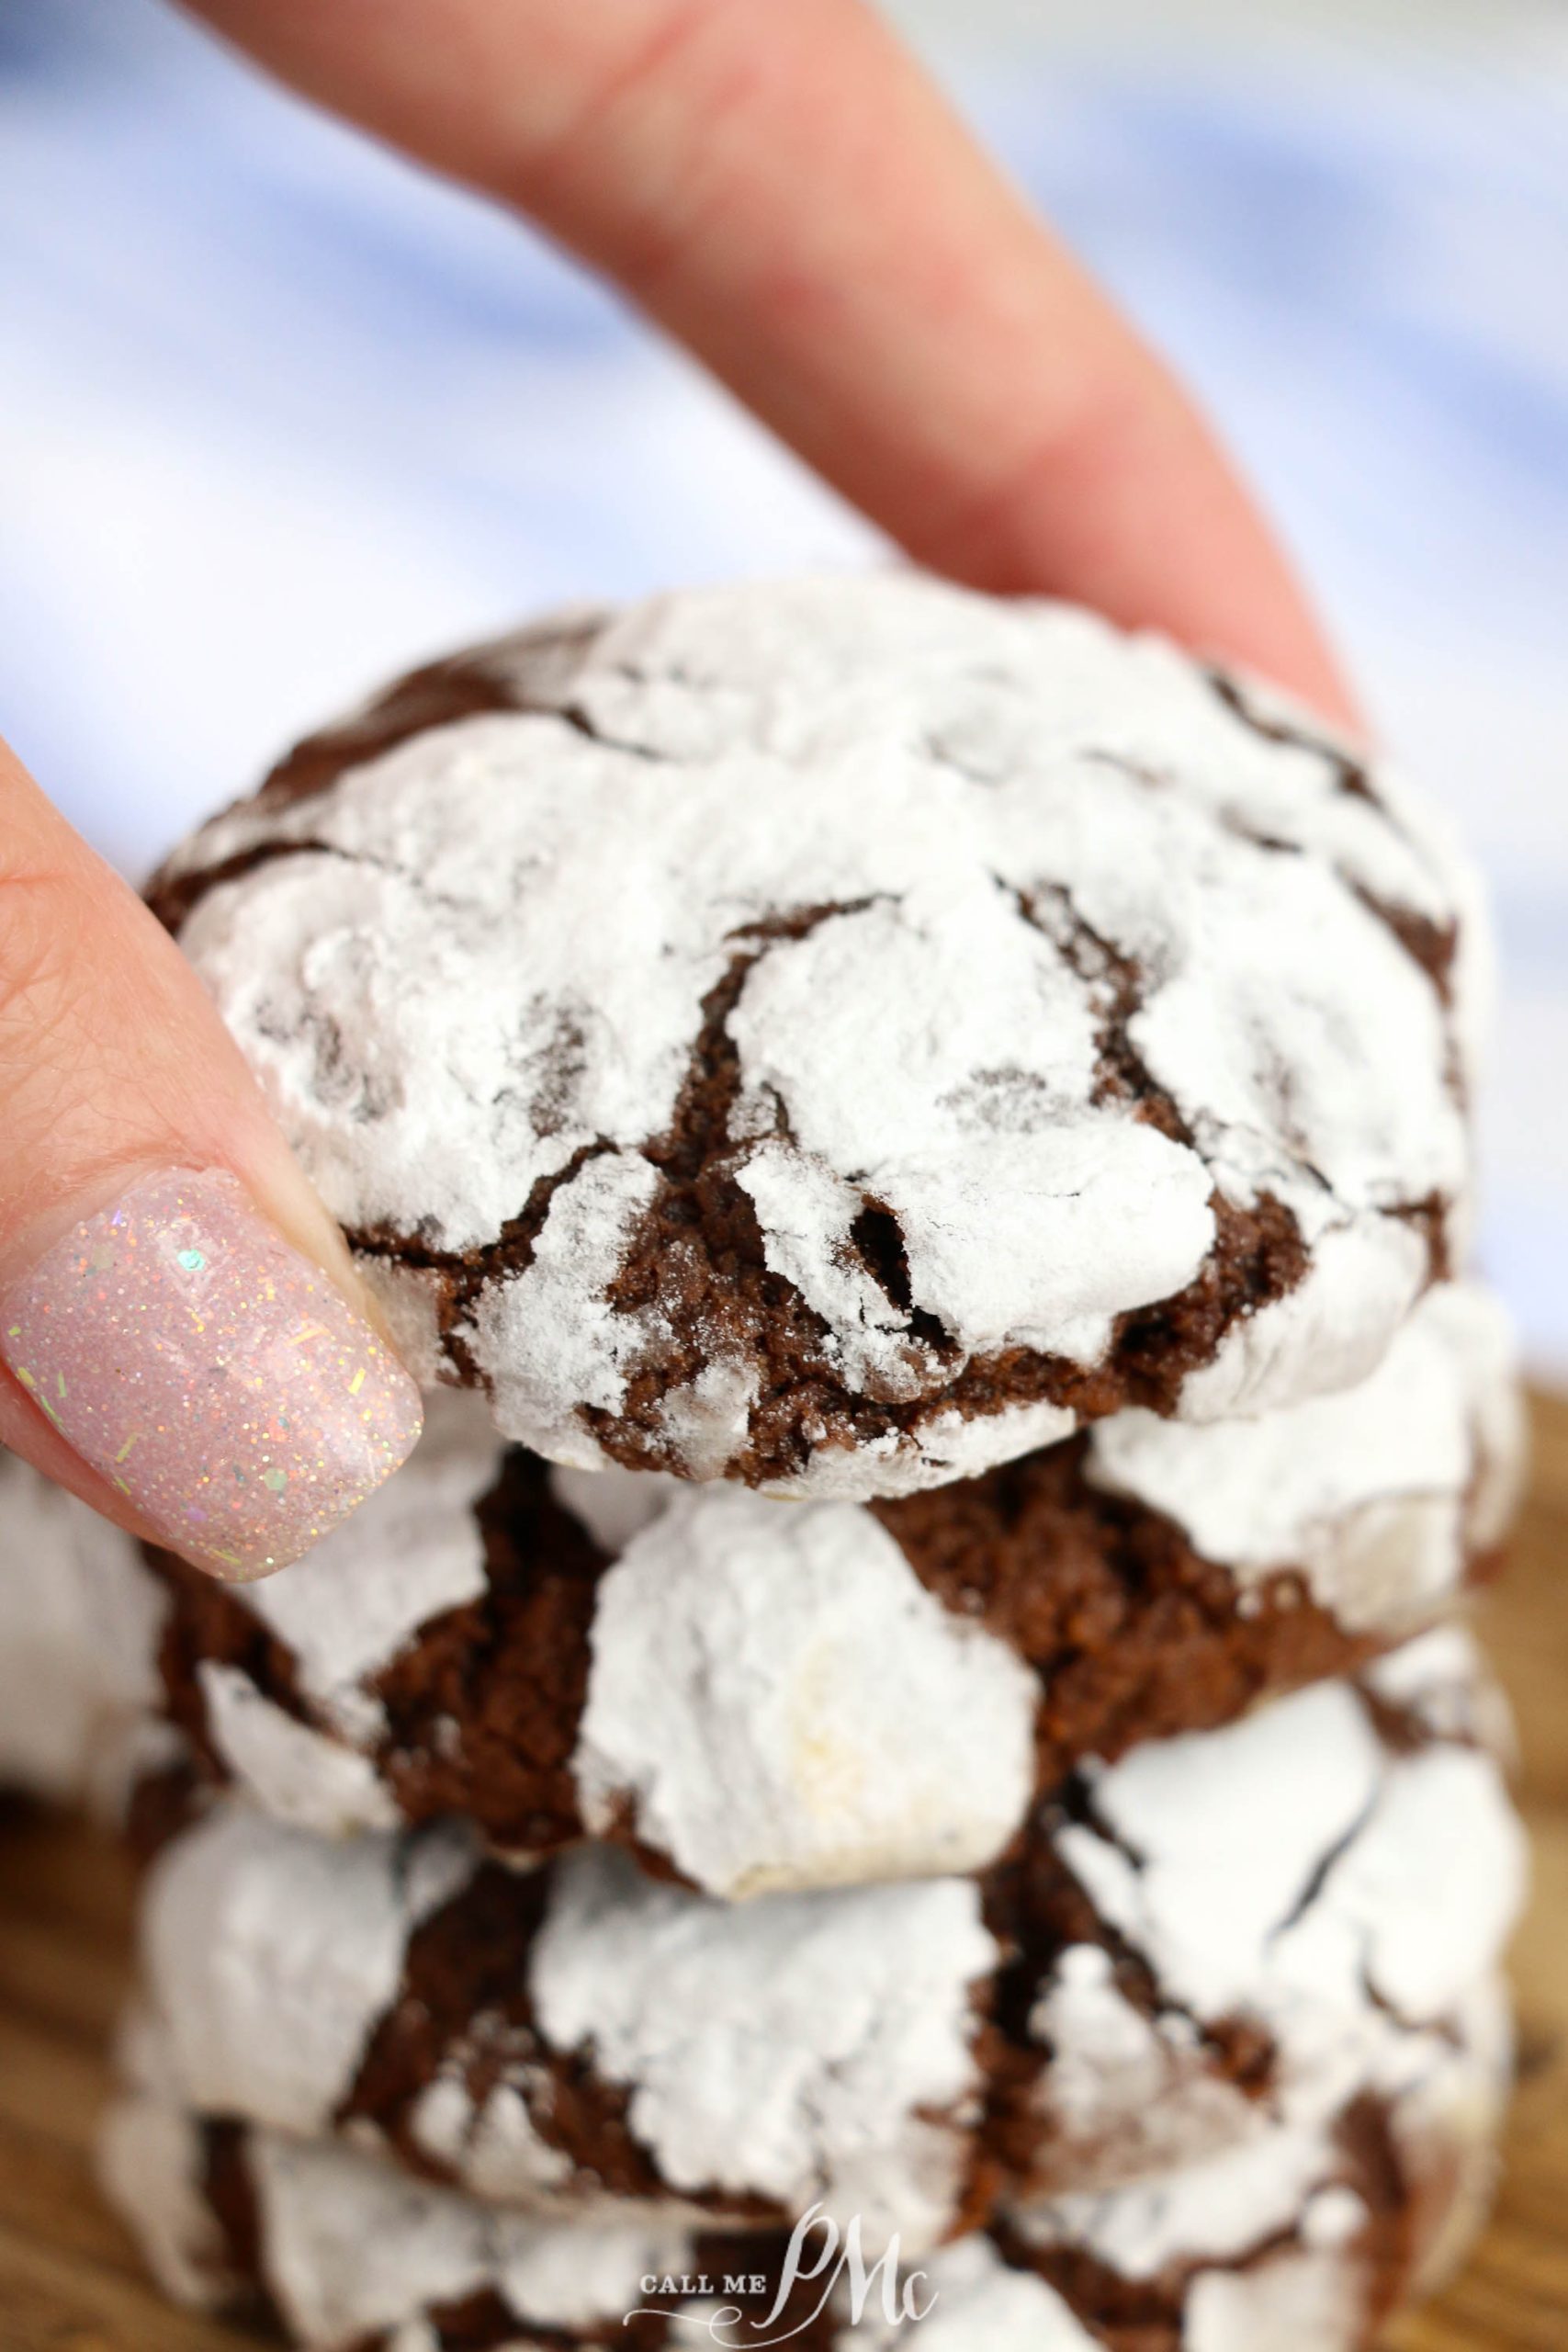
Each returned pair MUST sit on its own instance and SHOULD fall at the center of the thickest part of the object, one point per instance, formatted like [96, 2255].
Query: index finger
[786, 192]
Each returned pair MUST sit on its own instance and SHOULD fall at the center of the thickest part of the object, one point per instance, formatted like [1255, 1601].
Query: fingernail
[213, 1374]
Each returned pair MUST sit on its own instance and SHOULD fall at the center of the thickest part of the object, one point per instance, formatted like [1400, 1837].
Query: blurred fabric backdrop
[277, 415]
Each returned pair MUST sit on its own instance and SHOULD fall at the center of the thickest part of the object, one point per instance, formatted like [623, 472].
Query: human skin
[784, 190]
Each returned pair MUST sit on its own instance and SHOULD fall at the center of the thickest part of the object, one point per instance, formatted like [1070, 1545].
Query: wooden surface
[69, 2281]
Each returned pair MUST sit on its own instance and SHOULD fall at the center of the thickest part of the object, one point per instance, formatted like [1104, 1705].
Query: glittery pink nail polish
[210, 1372]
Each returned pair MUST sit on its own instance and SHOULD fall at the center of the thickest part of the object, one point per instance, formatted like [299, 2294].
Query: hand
[183, 1336]
[780, 186]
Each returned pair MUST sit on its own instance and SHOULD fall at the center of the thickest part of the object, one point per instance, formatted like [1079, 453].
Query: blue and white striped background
[277, 415]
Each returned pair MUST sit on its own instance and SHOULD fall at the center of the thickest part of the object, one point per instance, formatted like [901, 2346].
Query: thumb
[182, 1340]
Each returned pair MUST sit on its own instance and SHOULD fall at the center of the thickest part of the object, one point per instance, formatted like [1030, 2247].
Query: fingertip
[208, 1372]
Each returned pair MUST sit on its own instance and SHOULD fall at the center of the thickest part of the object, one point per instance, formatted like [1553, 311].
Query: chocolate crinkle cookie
[1306, 2238]
[1221, 1934]
[841, 1036]
[757, 1695]
[81, 1621]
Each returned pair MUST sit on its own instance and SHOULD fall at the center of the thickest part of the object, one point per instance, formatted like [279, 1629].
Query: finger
[785, 191]
[182, 1339]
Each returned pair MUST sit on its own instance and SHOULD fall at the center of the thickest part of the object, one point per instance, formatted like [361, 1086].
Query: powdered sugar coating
[1357, 1280]
[270, 1954]
[1303, 1780]
[1433, 1680]
[404, 1557]
[1023, 937]
[492, 2145]
[353, 2252]
[300, 1775]
[1300, 1874]
[1304, 2300]
[80, 1623]
[548, 1343]
[978, 2303]
[1211, 2210]
[935, 1449]
[1128, 2091]
[1445, 2122]
[1378, 1494]
[785, 1704]
[614, 1505]
[321, 2207]
[1292, 1871]
[774, 1698]
[808, 2046]
[1442, 2090]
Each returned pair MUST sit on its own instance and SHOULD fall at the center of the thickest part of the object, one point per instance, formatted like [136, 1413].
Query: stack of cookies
[898, 1768]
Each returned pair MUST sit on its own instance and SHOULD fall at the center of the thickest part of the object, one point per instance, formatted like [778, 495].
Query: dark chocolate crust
[1403, 2216]
[464, 2011]
[1134, 1636]
[697, 1269]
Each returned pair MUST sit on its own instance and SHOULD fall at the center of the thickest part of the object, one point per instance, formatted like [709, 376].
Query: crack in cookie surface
[942, 1093]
